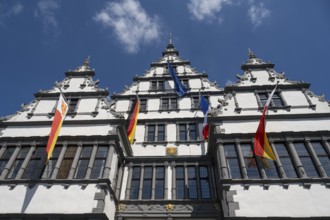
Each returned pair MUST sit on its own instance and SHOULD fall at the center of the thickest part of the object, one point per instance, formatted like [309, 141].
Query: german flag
[132, 120]
[261, 143]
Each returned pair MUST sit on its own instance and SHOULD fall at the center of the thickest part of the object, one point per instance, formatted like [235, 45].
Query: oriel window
[5, 158]
[67, 162]
[83, 162]
[99, 163]
[306, 159]
[323, 156]
[18, 162]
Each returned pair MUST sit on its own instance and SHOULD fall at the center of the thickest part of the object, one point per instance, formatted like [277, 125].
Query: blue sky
[41, 39]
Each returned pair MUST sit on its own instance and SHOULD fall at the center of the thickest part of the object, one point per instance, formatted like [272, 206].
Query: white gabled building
[169, 172]
[79, 179]
[297, 185]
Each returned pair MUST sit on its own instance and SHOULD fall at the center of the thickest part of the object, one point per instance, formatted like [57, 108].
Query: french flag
[205, 108]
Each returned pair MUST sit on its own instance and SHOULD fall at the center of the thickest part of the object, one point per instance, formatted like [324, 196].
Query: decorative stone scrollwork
[121, 207]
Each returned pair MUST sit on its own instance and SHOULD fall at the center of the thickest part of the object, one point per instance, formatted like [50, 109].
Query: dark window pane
[34, 162]
[135, 189]
[161, 133]
[5, 158]
[323, 156]
[174, 103]
[51, 163]
[98, 168]
[204, 180]
[73, 104]
[148, 173]
[146, 189]
[269, 167]
[153, 85]
[67, 162]
[183, 132]
[143, 104]
[250, 161]
[195, 102]
[18, 162]
[160, 175]
[285, 160]
[180, 189]
[151, 133]
[192, 183]
[232, 161]
[277, 100]
[192, 132]
[179, 172]
[161, 85]
[165, 104]
[306, 160]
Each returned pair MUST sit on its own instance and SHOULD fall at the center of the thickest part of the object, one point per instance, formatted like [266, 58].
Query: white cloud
[18, 8]
[206, 9]
[45, 11]
[132, 25]
[257, 14]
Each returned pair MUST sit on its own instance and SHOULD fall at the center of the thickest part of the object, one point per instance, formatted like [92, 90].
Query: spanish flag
[261, 143]
[61, 110]
[133, 117]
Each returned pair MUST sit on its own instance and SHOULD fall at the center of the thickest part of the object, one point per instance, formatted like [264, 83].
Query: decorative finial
[85, 67]
[170, 42]
[251, 54]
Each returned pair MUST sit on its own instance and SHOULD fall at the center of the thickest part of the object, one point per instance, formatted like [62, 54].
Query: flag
[262, 147]
[205, 108]
[133, 117]
[179, 88]
[61, 110]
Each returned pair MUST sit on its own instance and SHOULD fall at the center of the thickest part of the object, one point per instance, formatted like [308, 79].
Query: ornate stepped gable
[88, 104]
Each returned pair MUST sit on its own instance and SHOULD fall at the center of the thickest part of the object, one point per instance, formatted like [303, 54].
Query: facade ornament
[121, 207]
[172, 151]
[85, 67]
[169, 207]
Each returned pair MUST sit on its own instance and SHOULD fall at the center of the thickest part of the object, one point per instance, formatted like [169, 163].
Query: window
[147, 183]
[195, 102]
[232, 161]
[155, 133]
[67, 162]
[143, 105]
[185, 83]
[188, 132]
[160, 181]
[99, 163]
[169, 104]
[192, 182]
[306, 160]
[269, 167]
[205, 182]
[148, 180]
[135, 183]
[5, 158]
[180, 189]
[34, 162]
[157, 85]
[323, 156]
[73, 102]
[285, 160]
[83, 162]
[18, 162]
[275, 102]
[196, 176]
[48, 171]
[250, 161]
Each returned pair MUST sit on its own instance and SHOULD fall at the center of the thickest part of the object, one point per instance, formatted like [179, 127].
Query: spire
[170, 49]
[255, 63]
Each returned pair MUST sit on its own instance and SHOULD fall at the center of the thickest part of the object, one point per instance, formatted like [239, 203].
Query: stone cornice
[102, 92]
[266, 87]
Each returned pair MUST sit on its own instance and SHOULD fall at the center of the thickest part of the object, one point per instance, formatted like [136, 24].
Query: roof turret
[170, 49]
[85, 69]
[255, 63]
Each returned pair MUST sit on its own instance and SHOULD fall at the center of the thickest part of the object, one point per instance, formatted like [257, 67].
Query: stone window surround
[132, 101]
[272, 105]
[156, 133]
[198, 139]
[289, 142]
[32, 145]
[170, 108]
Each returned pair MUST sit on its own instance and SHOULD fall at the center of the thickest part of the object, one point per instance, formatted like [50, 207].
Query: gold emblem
[171, 151]
[63, 107]
[169, 207]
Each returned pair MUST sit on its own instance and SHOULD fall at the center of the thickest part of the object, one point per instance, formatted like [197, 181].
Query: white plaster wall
[195, 83]
[139, 133]
[41, 199]
[296, 201]
[153, 104]
[247, 100]
[87, 105]
[159, 70]
[144, 86]
[184, 103]
[109, 207]
[122, 105]
[294, 98]
[45, 106]
[171, 132]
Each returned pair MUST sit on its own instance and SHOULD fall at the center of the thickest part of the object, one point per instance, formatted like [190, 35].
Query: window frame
[169, 104]
[156, 134]
[187, 131]
[273, 104]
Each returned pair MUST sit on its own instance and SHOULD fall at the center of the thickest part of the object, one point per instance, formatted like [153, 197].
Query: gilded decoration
[169, 207]
[172, 151]
[121, 207]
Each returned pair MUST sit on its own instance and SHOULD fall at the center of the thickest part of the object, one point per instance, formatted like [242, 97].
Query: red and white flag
[60, 113]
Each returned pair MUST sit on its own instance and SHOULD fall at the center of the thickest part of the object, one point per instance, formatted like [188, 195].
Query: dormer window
[73, 102]
[157, 85]
[277, 100]
[169, 104]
